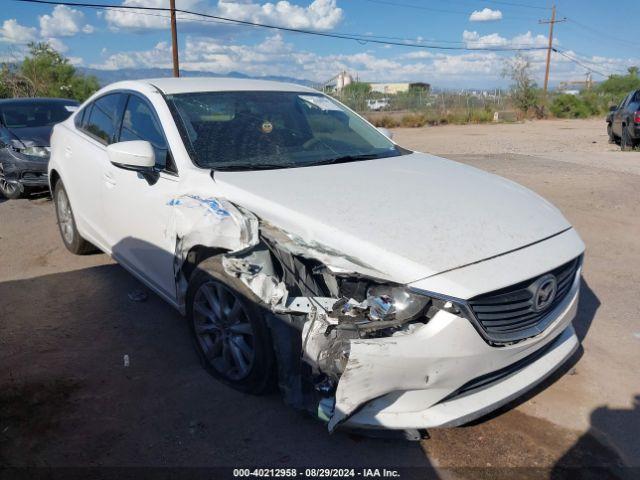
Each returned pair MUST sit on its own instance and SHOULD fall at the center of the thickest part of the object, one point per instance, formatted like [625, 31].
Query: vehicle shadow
[609, 449]
[154, 407]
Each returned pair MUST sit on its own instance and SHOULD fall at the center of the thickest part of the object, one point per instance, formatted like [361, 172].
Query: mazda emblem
[545, 292]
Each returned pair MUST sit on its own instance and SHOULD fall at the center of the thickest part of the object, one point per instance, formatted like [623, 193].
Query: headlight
[40, 152]
[388, 302]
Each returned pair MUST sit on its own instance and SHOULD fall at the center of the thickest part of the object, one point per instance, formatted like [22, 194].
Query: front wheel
[8, 189]
[230, 330]
[67, 224]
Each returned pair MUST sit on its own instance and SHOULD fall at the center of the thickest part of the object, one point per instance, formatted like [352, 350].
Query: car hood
[32, 136]
[405, 217]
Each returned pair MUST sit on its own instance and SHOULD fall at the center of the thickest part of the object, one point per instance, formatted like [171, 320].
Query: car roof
[31, 100]
[220, 84]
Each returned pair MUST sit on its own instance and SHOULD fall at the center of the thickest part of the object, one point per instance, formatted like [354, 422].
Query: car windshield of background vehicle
[254, 130]
[36, 114]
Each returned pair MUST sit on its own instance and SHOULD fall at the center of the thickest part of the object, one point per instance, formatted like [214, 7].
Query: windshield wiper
[272, 166]
[345, 159]
[260, 166]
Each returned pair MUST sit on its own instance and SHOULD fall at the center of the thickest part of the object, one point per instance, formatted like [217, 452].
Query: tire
[12, 191]
[612, 137]
[626, 143]
[229, 329]
[67, 223]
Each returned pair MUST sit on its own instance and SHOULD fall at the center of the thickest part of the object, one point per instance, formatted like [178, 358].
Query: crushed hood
[406, 217]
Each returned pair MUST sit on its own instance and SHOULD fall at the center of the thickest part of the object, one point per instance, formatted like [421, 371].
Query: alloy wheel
[6, 187]
[223, 330]
[65, 217]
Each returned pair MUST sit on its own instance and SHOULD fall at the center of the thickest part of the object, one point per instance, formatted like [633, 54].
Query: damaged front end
[322, 303]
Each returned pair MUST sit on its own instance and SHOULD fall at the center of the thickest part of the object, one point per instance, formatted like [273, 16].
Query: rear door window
[103, 118]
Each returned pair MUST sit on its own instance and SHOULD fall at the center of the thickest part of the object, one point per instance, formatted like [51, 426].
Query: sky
[595, 37]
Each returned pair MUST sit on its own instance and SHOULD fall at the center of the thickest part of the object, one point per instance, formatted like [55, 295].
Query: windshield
[266, 129]
[35, 114]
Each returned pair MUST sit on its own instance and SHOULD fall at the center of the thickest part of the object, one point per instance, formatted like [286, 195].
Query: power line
[584, 58]
[355, 37]
[364, 37]
[578, 62]
[599, 33]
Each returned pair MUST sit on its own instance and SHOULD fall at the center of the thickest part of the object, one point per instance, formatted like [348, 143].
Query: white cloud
[63, 22]
[13, 32]
[57, 44]
[485, 15]
[318, 15]
[274, 56]
[475, 40]
[419, 54]
[144, 19]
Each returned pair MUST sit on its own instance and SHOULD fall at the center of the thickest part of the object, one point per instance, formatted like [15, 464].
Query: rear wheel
[230, 330]
[626, 142]
[67, 224]
[612, 136]
[9, 190]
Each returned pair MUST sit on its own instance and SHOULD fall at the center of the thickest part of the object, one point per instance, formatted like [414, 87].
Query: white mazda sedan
[376, 286]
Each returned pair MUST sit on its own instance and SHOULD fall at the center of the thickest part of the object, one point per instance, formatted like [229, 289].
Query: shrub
[573, 106]
[385, 121]
[414, 120]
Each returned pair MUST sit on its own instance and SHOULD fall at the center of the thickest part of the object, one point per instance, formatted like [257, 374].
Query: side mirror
[386, 132]
[136, 155]
[613, 108]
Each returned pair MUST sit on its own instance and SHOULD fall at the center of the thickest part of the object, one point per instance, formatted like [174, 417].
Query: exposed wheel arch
[198, 254]
[54, 177]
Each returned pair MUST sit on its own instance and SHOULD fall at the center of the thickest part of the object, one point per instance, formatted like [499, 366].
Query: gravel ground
[66, 398]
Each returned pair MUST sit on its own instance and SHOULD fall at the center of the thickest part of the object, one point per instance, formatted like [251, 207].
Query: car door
[632, 106]
[85, 161]
[135, 209]
[619, 114]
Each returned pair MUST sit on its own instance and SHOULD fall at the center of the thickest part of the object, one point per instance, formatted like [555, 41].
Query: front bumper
[29, 173]
[411, 381]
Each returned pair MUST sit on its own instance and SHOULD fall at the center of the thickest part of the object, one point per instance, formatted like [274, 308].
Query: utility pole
[174, 39]
[551, 23]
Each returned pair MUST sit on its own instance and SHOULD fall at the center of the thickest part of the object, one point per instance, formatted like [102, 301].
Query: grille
[509, 314]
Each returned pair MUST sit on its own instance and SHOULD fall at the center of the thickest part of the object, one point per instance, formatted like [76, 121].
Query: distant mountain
[109, 76]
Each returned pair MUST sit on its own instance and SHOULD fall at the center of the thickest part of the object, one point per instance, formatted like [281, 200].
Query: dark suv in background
[25, 133]
[623, 122]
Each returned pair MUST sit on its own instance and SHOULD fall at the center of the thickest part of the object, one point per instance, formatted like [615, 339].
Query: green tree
[47, 73]
[524, 91]
[617, 86]
[355, 95]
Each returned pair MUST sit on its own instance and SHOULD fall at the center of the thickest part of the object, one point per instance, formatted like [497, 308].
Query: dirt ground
[66, 322]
